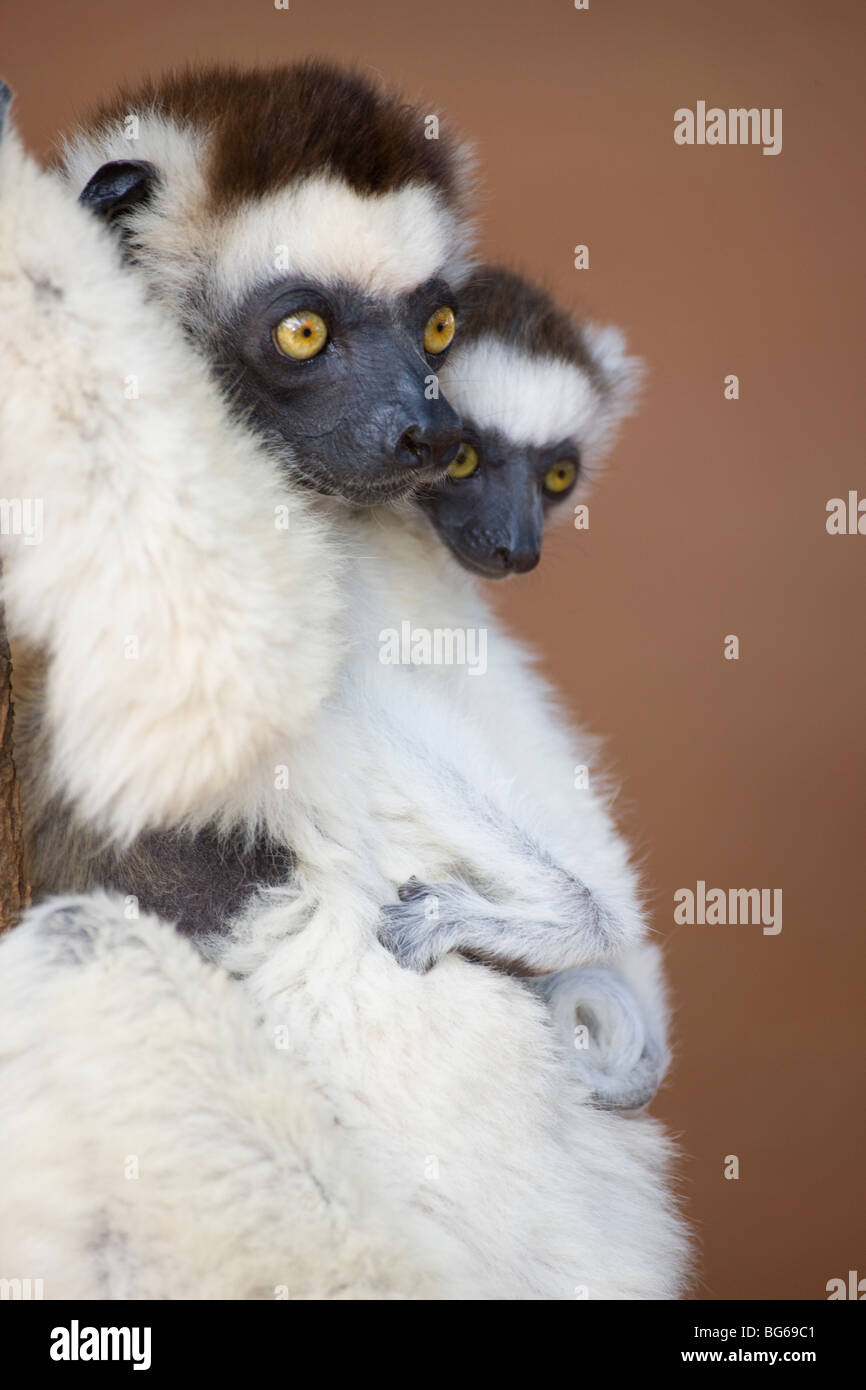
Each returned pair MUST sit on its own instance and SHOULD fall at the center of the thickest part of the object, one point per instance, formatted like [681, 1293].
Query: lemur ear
[623, 376]
[118, 187]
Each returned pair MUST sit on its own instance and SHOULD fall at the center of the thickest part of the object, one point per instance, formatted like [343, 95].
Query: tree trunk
[14, 892]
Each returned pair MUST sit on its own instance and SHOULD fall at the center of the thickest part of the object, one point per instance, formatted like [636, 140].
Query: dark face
[343, 379]
[490, 510]
[335, 378]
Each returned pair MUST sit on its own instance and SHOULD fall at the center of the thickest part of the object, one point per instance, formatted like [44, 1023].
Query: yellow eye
[465, 463]
[301, 335]
[560, 477]
[440, 330]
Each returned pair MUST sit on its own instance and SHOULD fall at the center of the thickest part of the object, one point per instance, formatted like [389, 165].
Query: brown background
[710, 521]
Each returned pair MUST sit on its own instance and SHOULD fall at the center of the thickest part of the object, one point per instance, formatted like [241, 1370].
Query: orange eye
[465, 463]
[560, 477]
[440, 329]
[301, 335]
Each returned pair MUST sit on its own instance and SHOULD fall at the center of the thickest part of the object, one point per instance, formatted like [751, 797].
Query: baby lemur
[539, 393]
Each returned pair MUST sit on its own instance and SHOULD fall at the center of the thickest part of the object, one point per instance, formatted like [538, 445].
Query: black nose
[413, 448]
[420, 448]
[519, 559]
[432, 440]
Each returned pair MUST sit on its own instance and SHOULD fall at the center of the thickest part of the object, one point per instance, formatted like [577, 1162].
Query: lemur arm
[556, 768]
[547, 885]
[182, 633]
[609, 1017]
[609, 1014]
[567, 926]
[503, 898]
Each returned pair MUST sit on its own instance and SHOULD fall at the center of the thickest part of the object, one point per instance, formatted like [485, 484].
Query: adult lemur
[446, 1085]
[307, 260]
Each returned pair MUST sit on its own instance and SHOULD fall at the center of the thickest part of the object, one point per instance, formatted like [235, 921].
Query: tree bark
[14, 892]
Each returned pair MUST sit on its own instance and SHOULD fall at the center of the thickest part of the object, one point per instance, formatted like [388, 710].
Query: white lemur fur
[156, 1145]
[455, 1068]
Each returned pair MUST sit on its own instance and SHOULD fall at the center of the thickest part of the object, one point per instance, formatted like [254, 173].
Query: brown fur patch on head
[267, 127]
[502, 304]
